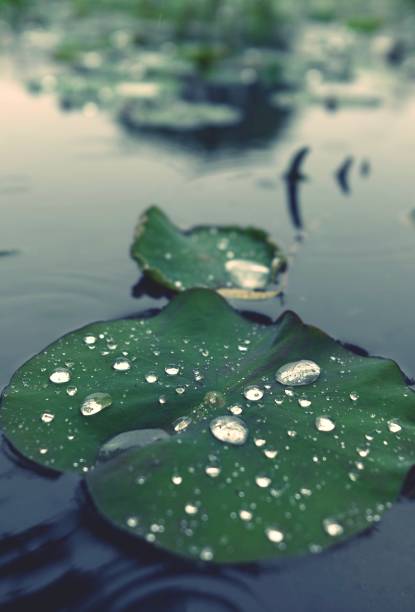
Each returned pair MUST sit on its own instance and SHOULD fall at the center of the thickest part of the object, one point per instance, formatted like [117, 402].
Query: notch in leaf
[237, 262]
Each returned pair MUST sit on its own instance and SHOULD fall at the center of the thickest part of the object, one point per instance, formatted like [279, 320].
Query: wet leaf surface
[216, 437]
[236, 261]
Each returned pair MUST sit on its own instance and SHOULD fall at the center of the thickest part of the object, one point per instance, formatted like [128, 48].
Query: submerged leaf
[200, 447]
[241, 263]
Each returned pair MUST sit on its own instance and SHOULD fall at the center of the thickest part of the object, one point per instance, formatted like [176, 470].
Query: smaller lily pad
[237, 262]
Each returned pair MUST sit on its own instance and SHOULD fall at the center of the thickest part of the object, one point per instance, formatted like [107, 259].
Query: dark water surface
[71, 189]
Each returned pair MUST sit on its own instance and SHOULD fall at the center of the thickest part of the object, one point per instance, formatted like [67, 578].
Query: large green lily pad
[321, 462]
[238, 262]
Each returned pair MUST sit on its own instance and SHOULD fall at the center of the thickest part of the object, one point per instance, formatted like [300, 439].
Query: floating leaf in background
[215, 437]
[237, 262]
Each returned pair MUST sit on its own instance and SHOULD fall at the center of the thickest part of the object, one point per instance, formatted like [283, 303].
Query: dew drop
[151, 378]
[182, 423]
[60, 376]
[71, 390]
[214, 398]
[270, 453]
[47, 417]
[190, 509]
[95, 402]
[332, 528]
[354, 396]
[121, 364]
[253, 393]
[296, 373]
[262, 481]
[394, 426]
[180, 390]
[274, 535]
[247, 274]
[132, 521]
[172, 370]
[90, 339]
[304, 403]
[176, 479]
[162, 399]
[236, 410]
[245, 515]
[259, 442]
[324, 423]
[212, 470]
[229, 429]
[206, 554]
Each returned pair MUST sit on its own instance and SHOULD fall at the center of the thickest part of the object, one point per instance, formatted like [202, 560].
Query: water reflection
[342, 175]
[294, 176]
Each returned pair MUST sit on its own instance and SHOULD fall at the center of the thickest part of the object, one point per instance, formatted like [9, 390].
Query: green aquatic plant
[237, 262]
[215, 437]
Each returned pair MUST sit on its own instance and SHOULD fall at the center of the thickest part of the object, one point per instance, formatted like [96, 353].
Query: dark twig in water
[342, 175]
[293, 177]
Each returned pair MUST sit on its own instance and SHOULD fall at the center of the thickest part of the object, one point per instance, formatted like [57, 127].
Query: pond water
[72, 186]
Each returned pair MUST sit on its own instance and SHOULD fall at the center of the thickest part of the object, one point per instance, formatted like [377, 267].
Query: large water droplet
[229, 429]
[253, 393]
[296, 373]
[95, 402]
[324, 423]
[182, 423]
[60, 376]
[247, 274]
[332, 527]
[121, 364]
[274, 535]
[136, 438]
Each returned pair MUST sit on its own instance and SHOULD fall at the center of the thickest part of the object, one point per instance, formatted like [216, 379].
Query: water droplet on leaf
[95, 402]
[60, 376]
[297, 373]
[121, 364]
[324, 423]
[229, 429]
[253, 393]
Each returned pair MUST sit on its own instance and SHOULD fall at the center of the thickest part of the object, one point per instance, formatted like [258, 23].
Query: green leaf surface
[321, 462]
[238, 262]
